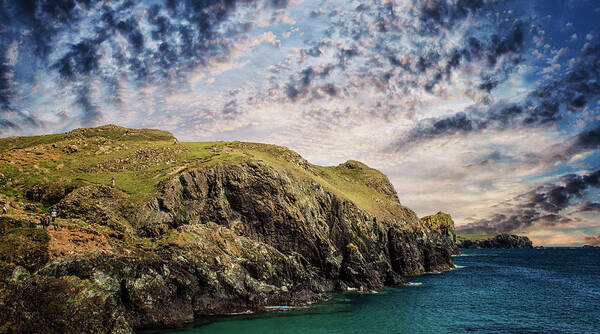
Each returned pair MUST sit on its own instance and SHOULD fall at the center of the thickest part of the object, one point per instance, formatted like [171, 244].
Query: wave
[241, 313]
[456, 266]
[284, 307]
[477, 254]
[414, 284]
[351, 289]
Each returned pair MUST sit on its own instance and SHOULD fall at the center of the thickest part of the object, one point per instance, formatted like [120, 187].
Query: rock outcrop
[441, 226]
[234, 235]
[499, 241]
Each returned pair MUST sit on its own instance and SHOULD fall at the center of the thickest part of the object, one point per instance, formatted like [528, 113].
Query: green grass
[31, 161]
[473, 237]
[100, 152]
[111, 132]
[23, 276]
[348, 183]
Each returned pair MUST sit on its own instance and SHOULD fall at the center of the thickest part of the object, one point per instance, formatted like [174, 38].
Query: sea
[550, 290]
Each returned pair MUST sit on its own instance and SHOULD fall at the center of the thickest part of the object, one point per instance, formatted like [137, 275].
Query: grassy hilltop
[196, 228]
[40, 169]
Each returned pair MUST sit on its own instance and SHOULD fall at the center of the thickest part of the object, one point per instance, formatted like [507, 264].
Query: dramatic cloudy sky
[485, 109]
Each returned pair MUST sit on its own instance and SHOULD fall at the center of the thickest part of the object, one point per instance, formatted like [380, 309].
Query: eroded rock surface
[229, 237]
[499, 241]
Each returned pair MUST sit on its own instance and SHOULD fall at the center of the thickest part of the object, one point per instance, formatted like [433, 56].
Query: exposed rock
[70, 149]
[499, 241]
[139, 160]
[243, 236]
[49, 193]
[27, 247]
[67, 304]
[225, 237]
[442, 225]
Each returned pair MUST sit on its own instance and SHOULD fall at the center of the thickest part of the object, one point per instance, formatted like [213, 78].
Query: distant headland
[492, 241]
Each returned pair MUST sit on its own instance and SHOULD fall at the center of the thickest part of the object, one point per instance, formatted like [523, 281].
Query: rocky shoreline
[498, 241]
[231, 236]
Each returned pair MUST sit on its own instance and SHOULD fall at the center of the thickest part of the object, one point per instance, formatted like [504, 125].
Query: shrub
[49, 192]
[27, 247]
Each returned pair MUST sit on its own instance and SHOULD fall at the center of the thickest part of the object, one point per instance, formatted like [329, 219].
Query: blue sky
[485, 109]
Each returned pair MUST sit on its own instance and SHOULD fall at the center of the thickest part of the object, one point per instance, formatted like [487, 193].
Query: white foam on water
[456, 266]
[350, 289]
[241, 313]
[414, 283]
[279, 307]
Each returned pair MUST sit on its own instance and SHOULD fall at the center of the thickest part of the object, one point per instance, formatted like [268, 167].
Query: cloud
[302, 85]
[449, 98]
[91, 113]
[556, 238]
[544, 105]
[5, 87]
[316, 12]
[587, 140]
[592, 240]
[150, 44]
[589, 207]
[542, 205]
[12, 120]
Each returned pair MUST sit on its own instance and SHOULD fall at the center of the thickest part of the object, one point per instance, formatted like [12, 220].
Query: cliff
[442, 226]
[192, 229]
[493, 241]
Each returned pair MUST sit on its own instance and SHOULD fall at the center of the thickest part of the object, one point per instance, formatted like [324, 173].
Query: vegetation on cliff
[441, 223]
[191, 229]
[493, 241]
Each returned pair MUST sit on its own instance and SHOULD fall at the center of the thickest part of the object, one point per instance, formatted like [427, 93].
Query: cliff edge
[190, 229]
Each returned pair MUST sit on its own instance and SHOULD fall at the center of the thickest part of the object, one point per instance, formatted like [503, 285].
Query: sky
[485, 109]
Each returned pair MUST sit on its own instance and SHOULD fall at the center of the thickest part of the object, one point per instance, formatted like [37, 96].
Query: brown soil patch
[68, 241]
[29, 155]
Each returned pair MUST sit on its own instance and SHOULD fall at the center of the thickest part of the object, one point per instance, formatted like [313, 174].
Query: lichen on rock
[229, 227]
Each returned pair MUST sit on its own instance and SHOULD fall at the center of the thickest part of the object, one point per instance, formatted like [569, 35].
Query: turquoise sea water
[553, 290]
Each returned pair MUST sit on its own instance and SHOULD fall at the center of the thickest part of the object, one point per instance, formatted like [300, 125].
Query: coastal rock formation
[223, 228]
[498, 241]
[442, 225]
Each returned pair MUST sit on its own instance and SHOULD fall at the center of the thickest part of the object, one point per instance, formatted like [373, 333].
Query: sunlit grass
[473, 237]
[94, 156]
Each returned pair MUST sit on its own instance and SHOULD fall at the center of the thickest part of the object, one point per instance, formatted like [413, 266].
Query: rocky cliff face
[226, 237]
[441, 226]
[499, 241]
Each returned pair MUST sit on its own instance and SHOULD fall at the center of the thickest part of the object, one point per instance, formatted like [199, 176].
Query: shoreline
[267, 309]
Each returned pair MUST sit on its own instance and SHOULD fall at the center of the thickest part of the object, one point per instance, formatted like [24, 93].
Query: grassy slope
[438, 220]
[95, 155]
[473, 237]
